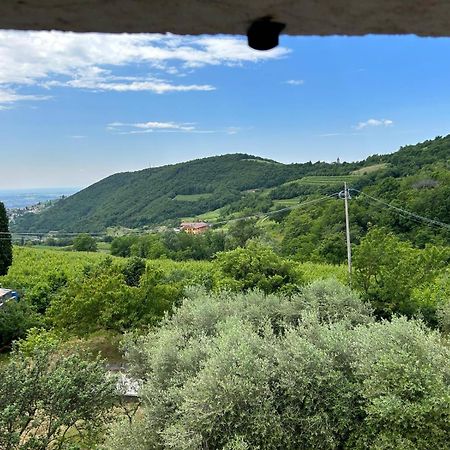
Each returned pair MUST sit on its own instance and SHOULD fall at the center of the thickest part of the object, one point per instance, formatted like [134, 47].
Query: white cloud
[8, 96]
[295, 82]
[374, 123]
[165, 127]
[150, 127]
[89, 61]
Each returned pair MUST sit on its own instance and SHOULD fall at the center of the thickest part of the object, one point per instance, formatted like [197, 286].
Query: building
[194, 227]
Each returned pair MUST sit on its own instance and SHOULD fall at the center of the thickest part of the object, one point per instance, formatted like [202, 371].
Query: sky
[75, 108]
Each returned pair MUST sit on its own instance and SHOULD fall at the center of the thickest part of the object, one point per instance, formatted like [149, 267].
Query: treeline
[120, 294]
[181, 246]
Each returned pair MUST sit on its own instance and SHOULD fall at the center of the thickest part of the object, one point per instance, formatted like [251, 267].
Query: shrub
[236, 371]
[44, 394]
[84, 243]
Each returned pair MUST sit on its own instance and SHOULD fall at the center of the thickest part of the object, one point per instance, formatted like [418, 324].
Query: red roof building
[194, 227]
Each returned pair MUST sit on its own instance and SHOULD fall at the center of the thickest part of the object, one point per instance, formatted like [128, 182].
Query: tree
[133, 270]
[84, 243]
[50, 400]
[314, 371]
[240, 232]
[121, 246]
[15, 319]
[259, 267]
[6, 255]
[387, 270]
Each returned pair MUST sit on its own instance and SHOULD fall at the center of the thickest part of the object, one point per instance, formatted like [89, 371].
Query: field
[32, 265]
[370, 169]
[325, 180]
[191, 198]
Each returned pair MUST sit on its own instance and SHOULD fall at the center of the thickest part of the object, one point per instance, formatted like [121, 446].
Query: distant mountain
[166, 194]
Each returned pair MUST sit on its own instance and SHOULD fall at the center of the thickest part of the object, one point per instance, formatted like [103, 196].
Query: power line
[271, 213]
[404, 211]
[51, 233]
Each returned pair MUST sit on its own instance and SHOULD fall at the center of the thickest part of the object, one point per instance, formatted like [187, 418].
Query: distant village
[14, 213]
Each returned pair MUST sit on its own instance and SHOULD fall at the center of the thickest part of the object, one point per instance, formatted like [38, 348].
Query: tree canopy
[5, 242]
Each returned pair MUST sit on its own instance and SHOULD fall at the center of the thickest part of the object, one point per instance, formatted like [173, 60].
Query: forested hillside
[151, 196]
[224, 187]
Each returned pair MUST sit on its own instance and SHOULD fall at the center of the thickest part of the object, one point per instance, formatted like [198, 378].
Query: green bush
[15, 319]
[84, 243]
[388, 271]
[257, 266]
[236, 371]
[53, 401]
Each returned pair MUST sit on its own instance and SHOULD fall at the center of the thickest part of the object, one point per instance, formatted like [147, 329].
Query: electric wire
[406, 212]
[212, 224]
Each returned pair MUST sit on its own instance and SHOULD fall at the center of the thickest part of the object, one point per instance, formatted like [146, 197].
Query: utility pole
[347, 230]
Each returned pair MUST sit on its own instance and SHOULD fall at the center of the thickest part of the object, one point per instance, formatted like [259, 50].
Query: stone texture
[302, 17]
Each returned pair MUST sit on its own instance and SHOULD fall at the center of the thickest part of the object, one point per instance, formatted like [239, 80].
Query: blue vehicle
[6, 295]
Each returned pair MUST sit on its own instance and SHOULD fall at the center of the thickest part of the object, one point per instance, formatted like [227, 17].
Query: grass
[327, 180]
[191, 198]
[321, 180]
[370, 169]
[286, 202]
[208, 216]
[262, 161]
[104, 247]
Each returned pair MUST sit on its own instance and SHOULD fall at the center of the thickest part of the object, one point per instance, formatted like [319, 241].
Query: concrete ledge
[303, 17]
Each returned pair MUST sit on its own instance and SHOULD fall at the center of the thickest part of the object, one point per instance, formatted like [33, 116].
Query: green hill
[152, 196]
[239, 184]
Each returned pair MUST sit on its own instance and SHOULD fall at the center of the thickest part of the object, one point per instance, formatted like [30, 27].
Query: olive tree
[51, 400]
[313, 370]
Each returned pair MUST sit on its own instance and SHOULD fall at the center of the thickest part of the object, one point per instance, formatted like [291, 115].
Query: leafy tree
[50, 400]
[433, 299]
[84, 243]
[257, 266]
[98, 299]
[240, 232]
[133, 270]
[15, 319]
[6, 255]
[387, 270]
[111, 297]
[121, 246]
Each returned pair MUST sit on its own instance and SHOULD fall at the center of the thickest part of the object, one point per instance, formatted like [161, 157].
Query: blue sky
[76, 108]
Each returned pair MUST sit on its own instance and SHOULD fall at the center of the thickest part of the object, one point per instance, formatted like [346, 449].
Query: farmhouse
[194, 227]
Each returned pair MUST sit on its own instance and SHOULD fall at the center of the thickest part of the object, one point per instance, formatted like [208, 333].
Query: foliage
[15, 319]
[434, 300]
[49, 400]
[111, 297]
[238, 371]
[257, 266]
[5, 242]
[118, 200]
[133, 270]
[387, 271]
[240, 232]
[83, 242]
